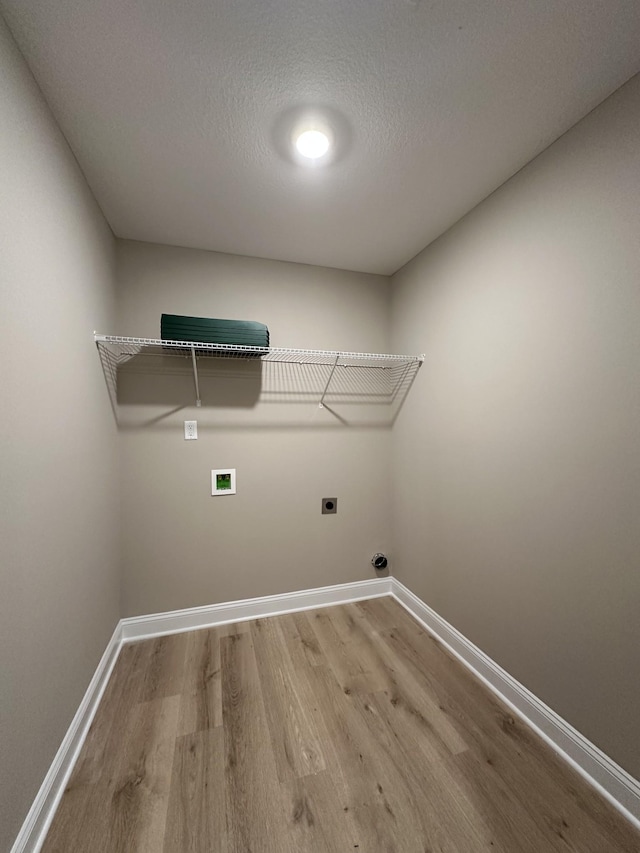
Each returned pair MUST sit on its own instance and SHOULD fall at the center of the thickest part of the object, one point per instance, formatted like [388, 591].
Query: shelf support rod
[400, 381]
[326, 387]
[195, 376]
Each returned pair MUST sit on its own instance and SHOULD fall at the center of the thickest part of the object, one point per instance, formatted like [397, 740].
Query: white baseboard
[614, 783]
[36, 824]
[174, 622]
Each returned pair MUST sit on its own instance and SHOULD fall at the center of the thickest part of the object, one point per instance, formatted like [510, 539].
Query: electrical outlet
[190, 430]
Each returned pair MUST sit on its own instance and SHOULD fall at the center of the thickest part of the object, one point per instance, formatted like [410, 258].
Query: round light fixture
[312, 144]
[311, 137]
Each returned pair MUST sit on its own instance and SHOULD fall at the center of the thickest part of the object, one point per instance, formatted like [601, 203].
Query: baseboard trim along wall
[614, 783]
[174, 622]
[36, 824]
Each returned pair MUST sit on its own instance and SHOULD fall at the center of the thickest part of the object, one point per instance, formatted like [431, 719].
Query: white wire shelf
[123, 347]
[396, 370]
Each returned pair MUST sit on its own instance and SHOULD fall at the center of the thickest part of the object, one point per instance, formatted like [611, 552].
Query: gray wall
[59, 573]
[517, 454]
[181, 546]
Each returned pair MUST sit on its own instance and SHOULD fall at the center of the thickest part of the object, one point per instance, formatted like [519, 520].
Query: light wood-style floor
[341, 729]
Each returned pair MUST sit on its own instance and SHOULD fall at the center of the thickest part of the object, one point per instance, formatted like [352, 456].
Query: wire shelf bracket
[196, 381]
[326, 387]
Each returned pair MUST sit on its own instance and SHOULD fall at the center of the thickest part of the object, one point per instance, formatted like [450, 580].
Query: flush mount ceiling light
[312, 144]
[311, 136]
[313, 140]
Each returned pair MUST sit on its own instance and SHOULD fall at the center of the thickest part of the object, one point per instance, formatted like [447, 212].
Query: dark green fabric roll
[177, 327]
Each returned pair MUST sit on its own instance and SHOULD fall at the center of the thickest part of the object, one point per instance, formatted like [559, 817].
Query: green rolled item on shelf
[236, 333]
[183, 319]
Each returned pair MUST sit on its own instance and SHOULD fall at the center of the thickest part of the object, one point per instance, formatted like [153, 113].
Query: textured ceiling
[178, 112]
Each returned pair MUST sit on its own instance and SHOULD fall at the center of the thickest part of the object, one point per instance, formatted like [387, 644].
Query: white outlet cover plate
[223, 481]
[190, 430]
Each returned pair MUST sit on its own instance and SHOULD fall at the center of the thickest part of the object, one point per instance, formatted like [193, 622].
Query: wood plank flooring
[341, 729]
